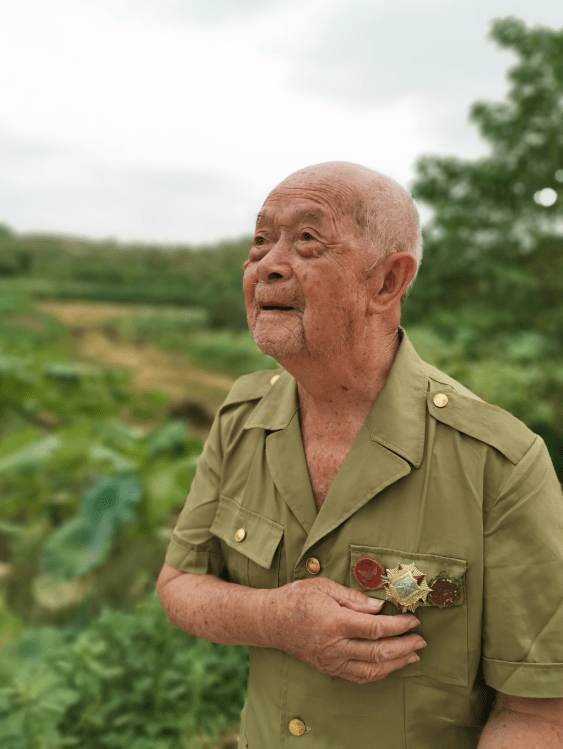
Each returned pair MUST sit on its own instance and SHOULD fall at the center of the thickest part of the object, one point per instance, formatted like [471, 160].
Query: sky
[169, 121]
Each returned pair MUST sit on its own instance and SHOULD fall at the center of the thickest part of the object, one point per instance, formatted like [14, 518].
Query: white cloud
[172, 119]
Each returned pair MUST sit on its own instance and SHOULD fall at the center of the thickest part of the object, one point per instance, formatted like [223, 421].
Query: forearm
[509, 729]
[215, 610]
[334, 629]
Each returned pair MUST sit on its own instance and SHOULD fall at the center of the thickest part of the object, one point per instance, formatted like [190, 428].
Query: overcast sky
[170, 120]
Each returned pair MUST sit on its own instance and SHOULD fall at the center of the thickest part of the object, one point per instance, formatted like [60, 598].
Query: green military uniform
[454, 485]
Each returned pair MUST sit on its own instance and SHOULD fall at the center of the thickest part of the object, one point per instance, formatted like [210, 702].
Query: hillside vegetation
[207, 278]
[93, 474]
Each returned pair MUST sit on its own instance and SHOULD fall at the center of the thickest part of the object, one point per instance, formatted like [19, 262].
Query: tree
[6, 232]
[490, 296]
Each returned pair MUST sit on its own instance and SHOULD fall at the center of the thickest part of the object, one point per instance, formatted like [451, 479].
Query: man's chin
[278, 348]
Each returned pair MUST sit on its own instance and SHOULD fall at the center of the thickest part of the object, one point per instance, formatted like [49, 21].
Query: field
[101, 431]
[152, 368]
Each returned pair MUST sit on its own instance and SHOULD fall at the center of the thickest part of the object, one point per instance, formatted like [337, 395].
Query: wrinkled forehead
[316, 200]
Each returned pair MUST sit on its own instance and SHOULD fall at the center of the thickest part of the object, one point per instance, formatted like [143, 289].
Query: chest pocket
[444, 627]
[250, 544]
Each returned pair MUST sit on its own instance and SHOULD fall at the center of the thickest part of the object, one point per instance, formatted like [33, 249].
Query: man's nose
[276, 263]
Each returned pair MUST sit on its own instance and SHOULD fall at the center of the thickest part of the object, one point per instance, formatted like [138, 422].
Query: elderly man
[388, 545]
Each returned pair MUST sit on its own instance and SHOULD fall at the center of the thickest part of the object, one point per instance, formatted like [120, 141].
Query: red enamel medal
[445, 591]
[367, 573]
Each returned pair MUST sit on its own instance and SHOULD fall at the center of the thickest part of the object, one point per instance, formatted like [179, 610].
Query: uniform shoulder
[251, 387]
[439, 377]
[467, 413]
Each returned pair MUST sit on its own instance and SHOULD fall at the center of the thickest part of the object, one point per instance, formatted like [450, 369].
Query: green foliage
[84, 501]
[5, 232]
[208, 278]
[154, 324]
[129, 679]
[227, 351]
[82, 492]
[490, 291]
[85, 541]
[128, 481]
[170, 440]
[32, 456]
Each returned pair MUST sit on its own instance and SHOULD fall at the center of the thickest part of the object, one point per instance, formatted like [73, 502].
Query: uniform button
[274, 379]
[297, 727]
[240, 535]
[313, 566]
[440, 400]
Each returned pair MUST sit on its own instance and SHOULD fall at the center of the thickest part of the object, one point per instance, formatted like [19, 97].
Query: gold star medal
[406, 587]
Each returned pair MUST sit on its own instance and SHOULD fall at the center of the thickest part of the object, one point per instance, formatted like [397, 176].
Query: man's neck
[342, 382]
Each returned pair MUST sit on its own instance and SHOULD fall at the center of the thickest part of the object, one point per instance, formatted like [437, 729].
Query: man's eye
[307, 236]
[259, 240]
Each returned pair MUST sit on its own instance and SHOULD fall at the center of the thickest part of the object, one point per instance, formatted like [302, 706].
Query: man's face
[303, 279]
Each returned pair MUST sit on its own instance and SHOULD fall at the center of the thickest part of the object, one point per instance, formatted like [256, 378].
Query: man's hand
[338, 631]
[334, 629]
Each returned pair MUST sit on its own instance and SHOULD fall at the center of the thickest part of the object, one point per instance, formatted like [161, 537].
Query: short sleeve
[193, 548]
[523, 586]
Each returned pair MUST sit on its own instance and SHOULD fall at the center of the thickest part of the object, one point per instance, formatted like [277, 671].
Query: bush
[84, 494]
[227, 351]
[127, 680]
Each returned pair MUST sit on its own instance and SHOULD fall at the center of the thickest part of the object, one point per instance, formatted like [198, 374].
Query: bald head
[383, 211]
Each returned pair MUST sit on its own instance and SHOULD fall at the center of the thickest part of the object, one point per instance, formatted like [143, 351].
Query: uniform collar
[397, 419]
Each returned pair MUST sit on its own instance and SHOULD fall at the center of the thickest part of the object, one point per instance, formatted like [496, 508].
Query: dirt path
[153, 368]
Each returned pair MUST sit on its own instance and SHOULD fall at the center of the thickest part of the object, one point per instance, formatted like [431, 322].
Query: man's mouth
[275, 306]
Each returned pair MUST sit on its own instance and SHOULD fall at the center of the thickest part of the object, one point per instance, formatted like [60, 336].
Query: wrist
[269, 617]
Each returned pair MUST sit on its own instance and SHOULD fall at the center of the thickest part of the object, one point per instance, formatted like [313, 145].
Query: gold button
[274, 378]
[440, 400]
[313, 566]
[240, 535]
[297, 727]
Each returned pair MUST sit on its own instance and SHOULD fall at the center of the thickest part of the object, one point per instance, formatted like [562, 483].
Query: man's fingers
[370, 627]
[361, 672]
[387, 649]
[355, 600]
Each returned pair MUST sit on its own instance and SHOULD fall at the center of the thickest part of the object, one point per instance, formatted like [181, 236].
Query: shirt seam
[500, 491]
[520, 664]
[192, 548]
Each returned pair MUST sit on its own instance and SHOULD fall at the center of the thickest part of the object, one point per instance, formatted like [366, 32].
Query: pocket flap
[430, 565]
[259, 536]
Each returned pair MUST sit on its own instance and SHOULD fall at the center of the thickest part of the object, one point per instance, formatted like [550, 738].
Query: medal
[368, 573]
[445, 591]
[406, 587]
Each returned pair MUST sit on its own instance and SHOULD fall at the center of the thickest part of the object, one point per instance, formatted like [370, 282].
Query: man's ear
[389, 281]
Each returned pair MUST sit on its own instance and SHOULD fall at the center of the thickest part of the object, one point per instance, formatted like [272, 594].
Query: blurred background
[137, 142]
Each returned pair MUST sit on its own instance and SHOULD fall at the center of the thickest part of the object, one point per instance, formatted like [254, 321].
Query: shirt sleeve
[523, 587]
[193, 548]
